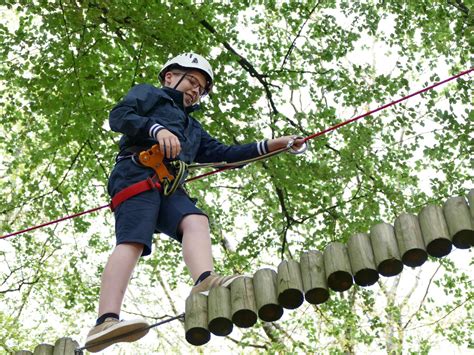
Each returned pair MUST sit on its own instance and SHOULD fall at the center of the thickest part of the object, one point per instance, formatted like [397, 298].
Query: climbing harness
[133, 190]
[163, 180]
[220, 167]
[154, 158]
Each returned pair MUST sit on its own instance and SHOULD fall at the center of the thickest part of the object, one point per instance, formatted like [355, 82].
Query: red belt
[133, 190]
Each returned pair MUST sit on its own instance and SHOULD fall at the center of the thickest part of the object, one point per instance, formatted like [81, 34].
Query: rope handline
[236, 164]
[228, 166]
[336, 126]
[388, 105]
[53, 222]
[112, 340]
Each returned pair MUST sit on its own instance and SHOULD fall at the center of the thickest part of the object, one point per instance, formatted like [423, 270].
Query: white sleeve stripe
[261, 148]
[154, 129]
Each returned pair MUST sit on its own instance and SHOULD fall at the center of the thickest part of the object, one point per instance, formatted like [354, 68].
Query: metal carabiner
[290, 144]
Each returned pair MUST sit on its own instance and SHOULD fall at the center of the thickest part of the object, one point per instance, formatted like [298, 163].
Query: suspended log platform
[63, 346]
[383, 251]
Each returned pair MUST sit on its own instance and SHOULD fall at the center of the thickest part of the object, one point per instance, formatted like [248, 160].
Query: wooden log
[219, 311]
[362, 259]
[23, 352]
[44, 349]
[65, 346]
[195, 321]
[244, 309]
[338, 267]
[266, 295]
[410, 240]
[385, 248]
[435, 231]
[458, 219]
[470, 200]
[313, 274]
[290, 284]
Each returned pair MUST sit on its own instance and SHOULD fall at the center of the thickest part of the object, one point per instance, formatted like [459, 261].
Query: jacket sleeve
[211, 150]
[129, 115]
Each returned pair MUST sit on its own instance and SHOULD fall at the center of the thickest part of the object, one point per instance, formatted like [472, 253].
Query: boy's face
[192, 86]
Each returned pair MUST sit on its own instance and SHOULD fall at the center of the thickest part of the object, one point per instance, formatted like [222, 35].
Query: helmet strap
[179, 81]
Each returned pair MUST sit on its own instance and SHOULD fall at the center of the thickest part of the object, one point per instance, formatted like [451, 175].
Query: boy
[148, 116]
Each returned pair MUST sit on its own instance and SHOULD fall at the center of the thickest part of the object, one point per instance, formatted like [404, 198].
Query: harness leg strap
[133, 190]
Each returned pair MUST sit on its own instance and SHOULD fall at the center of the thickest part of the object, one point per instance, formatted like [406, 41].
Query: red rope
[327, 130]
[53, 222]
[387, 105]
[306, 139]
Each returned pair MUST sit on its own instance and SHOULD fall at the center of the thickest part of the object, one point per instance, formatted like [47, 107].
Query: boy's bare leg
[196, 244]
[116, 276]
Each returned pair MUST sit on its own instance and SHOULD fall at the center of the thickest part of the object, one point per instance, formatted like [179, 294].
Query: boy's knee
[194, 221]
[136, 247]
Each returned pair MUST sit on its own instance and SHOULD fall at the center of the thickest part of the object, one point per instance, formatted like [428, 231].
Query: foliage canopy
[282, 67]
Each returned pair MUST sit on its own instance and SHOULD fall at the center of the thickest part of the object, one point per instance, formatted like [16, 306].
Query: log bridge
[384, 250]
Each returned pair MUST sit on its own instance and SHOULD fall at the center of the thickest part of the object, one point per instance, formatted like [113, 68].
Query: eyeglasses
[193, 81]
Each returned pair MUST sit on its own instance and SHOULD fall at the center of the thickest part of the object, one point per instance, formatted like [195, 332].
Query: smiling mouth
[191, 97]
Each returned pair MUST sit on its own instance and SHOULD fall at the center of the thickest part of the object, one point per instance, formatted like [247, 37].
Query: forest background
[282, 67]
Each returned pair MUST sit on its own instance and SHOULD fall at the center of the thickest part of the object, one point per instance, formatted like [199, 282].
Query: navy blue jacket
[147, 109]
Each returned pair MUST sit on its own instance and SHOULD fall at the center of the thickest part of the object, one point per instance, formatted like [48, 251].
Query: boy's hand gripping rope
[226, 166]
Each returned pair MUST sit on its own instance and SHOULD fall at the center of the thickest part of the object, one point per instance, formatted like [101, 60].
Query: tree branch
[423, 299]
[447, 314]
[241, 343]
[298, 35]
[244, 63]
[139, 55]
[55, 188]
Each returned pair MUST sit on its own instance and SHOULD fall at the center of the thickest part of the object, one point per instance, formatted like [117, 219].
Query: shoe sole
[225, 284]
[110, 336]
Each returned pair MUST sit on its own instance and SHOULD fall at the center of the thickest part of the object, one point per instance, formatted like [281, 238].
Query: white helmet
[190, 61]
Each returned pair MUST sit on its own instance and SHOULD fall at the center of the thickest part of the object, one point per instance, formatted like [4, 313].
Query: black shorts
[137, 218]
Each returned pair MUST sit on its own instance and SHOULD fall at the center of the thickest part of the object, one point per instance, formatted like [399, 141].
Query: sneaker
[214, 280]
[114, 331]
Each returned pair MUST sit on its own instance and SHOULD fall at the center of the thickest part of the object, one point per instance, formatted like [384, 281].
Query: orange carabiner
[153, 158]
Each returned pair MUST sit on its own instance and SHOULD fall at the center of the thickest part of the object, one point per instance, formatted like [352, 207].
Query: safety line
[53, 222]
[336, 126]
[237, 164]
[112, 340]
[332, 128]
[388, 105]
